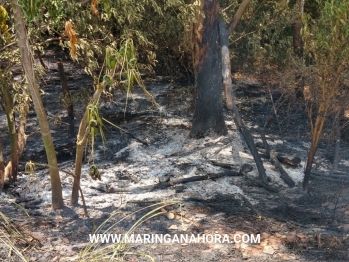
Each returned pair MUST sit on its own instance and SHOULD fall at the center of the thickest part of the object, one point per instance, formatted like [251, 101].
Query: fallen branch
[177, 181]
[126, 132]
[259, 183]
[223, 165]
[338, 174]
[283, 174]
[275, 161]
[173, 182]
[339, 180]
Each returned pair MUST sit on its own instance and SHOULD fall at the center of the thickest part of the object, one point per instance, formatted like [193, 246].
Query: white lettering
[225, 239]
[201, 238]
[235, 238]
[209, 238]
[129, 238]
[175, 239]
[167, 238]
[217, 238]
[192, 239]
[184, 238]
[257, 239]
[146, 238]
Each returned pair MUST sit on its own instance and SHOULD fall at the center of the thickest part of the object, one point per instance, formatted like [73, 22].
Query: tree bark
[21, 140]
[237, 16]
[212, 68]
[315, 138]
[18, 138]
[21, 135]
[208, 114]
[80, 145]
[338, 141]
[12, 168]
[2, 167]
[298, 47]
[297, 38]
[27, 63]
[66, 93]
[228, 89]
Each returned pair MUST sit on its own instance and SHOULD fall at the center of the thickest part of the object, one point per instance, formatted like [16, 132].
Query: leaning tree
[33, 86]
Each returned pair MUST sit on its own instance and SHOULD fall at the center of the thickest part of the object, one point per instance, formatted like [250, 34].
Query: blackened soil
[312, 227]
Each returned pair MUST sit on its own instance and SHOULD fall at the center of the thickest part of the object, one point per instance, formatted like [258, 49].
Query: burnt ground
[292, 226]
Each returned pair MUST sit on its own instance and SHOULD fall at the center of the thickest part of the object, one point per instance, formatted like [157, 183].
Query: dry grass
[11, 238]
[118, 251]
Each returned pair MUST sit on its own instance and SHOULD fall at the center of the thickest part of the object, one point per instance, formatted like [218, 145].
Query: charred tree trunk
[212, 68]
[23, 116]
[228, 89]
[208, 114]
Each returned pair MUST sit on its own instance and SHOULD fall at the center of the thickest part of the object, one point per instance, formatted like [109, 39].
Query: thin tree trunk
[66, 93]
[228, 89]
[21, 136]
[27, 63]
[2, 167]
[237, 16]
[21, 140]
[297, 39]
[298, 48]
[338, 141]
[18, 138]
[315, 138]
[12, 168]
[80, 145]
[297, 26]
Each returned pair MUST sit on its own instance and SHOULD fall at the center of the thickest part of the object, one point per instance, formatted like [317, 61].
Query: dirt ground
[292, 226]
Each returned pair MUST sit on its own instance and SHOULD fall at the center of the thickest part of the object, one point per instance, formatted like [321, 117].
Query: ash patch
[288, 220]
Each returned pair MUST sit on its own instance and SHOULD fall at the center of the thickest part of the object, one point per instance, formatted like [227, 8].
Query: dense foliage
[156, 27]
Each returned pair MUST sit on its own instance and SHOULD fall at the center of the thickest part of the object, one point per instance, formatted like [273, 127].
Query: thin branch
[237, 16]
[252, 32]
[7, 46]
[274, 108]
[225, 9]
[123, 130]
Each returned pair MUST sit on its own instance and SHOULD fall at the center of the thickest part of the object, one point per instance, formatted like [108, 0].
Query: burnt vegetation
[174, 117]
